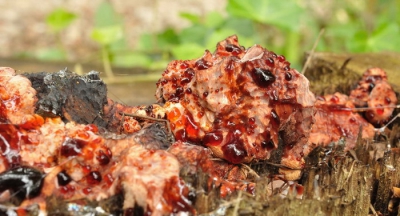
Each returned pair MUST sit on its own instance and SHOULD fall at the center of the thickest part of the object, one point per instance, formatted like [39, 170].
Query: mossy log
[331, 72]
[336, 183]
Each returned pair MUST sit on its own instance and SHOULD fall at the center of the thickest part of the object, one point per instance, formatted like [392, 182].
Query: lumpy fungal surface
[236, 101]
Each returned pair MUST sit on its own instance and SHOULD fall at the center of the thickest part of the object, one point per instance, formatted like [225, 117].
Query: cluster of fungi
[239, 105]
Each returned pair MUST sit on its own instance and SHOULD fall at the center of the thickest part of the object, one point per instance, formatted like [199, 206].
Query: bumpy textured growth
[374, 91]
[236, 101]
[335, 119]
[79, 162]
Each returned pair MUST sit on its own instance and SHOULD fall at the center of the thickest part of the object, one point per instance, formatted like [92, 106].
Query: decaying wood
[335, 183]
[331, 72]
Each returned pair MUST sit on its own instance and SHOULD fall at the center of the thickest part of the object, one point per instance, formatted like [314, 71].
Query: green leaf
[358, 43]
[193, 18]
[132, 59]
[385, 37]
[105, 15]
[107, 35]
[146, 42]
[59, 19]
[187, 51]
[194, 34]
[162, 41]
[286, 14]
[213, 20]
[51, 54]
[167, 38]
[118, 45]
[241, 26]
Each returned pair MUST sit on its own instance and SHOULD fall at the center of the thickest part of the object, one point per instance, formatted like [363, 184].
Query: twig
[237, 203]
[382, 129]
[350, 172]
[373, 209]
[281, 166]
[312, 52]
[251, 171]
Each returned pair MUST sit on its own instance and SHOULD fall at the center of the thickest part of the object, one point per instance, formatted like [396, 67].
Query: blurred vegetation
[286, 27]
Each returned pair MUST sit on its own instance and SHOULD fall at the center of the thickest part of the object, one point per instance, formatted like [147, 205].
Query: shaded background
[131, 42]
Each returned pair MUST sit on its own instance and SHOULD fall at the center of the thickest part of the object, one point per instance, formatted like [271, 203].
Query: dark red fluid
[185, 81]
[63, 178]
[181, 135]
[252, 120]
[235, 50]
[148, 109]
[380, 111]
[286, 68]
[281, 58]
[67, 189]
[184, 65]
[10, 144]
[175, 196]
[234, 150]
[275, 121]
[94, 177]
[104, 157]
[91, 127]
[213, 138]
[269, 145]
[288, 76]
[72, 147]
[270, 62]
[334, 99]
[262, 77]
[230, 66]
[179, 92]
[164, 81]
[371, 86]
[87, 190]
[109, 179]
[387, 100]
[202, 64]
[187, 76]
[191, 126]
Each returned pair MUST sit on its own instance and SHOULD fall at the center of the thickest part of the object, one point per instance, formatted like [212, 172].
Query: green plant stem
[107, 63]
[292, 46]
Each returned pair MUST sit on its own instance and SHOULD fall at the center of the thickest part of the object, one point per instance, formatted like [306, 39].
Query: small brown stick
[362, 109]
[350, 172]
[312, 52]
[237, 203]
[166, 122]
[251, 171]
[382, 129]
[281, 166]
[373, 209]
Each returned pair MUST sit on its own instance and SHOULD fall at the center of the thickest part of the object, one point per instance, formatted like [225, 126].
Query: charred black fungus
[71, 96]
[24, 182]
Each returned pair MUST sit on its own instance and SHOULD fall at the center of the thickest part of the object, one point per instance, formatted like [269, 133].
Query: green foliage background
[286, 27]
